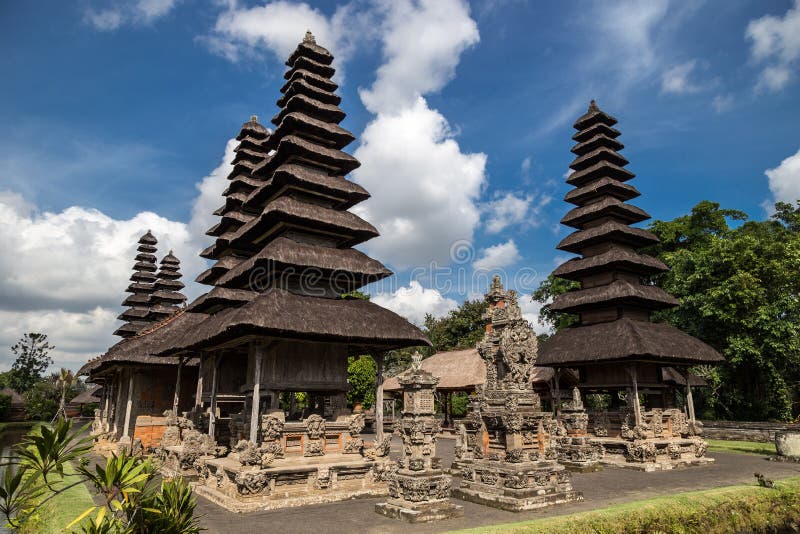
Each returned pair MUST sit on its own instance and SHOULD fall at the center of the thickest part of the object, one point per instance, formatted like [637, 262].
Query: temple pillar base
[516, 487]
[579, 454]
[653, 454]
[422, 512]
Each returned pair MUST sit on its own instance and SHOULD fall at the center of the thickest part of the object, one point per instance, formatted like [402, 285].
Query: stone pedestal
[787, 444]
[575, 450]
[419, 490]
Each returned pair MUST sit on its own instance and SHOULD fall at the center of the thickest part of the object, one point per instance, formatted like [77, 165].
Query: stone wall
[744, 430]
[149, 430]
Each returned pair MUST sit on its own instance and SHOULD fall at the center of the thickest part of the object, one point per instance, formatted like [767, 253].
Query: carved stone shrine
[508, 456]
[419, 490]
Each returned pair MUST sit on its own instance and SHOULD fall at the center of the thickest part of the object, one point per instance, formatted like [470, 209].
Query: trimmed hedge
[716, 511]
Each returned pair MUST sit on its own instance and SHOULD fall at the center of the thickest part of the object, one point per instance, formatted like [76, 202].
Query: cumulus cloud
[121, 13]
[65, 272]
[422, 45]
[414, 302]
[530, 312]
[775, 44]
[508, 209]
[784, 180]
[424, 197]
[497, 256]
[279, 26]
[722, 103]
[676, 79]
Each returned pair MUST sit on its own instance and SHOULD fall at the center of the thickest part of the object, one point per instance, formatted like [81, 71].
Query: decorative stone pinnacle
[309, 38]
[253, 118]
[416, 361]
[593, 107]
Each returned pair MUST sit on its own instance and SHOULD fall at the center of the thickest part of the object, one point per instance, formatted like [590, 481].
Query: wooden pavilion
[278, 320]
[615, 346]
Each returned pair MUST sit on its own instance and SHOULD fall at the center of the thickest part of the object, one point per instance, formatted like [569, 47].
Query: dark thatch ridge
[624, 340]
[613, 257]
[601, 187]
[279, 313]
[220, 296]
[618, 291]
[576, 217]
[610, 231]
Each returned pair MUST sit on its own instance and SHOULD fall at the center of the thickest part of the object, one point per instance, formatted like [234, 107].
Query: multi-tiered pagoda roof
[284, 258]
[167, 297]
[615, 301]
[137, 316]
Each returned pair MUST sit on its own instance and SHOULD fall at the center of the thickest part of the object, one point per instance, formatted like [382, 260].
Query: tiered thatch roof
[138, 314]
[167, 297]
[613, 303]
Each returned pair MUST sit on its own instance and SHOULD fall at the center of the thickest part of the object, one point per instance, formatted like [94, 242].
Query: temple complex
[615, 347]
[278, 322]
[138, 387]
[506, 452]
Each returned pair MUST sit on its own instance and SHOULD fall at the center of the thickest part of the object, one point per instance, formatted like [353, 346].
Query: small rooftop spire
[309, 38]
[593, 107]
[253, 118]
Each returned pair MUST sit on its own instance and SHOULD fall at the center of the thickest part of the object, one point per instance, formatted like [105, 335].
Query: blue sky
[114, 118]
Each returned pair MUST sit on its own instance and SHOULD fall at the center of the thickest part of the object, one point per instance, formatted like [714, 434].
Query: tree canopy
[739, 290]
[32, 353]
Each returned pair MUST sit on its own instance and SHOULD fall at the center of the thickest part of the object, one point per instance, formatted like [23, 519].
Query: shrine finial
[593, 107]
[309, 38]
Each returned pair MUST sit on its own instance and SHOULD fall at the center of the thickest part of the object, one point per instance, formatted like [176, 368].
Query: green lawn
[741, 447]
[721, 510]
[59, 512]
[18, 425]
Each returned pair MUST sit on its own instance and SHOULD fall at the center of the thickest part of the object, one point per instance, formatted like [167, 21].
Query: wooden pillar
[557, 400]
[689, 399]
[379, 397]
[118, 403]
[258, 355]
[198, 392]
[106, 395]
[212, 417]
[177, 396]
[637, 411]
[128, 406]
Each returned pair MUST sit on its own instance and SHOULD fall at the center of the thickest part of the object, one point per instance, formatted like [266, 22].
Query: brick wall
[149, 430]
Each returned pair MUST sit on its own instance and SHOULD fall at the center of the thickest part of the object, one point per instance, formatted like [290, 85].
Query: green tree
[462, 328]
[361, 373]
[550, 288]
[41, 401]
[32, 360]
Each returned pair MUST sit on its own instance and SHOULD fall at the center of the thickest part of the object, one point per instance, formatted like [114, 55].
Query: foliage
[32, 360]
[550, 288]
[7, 379]
[5, 405]
[458, 404]
[41, 401]
[462, 328]
[361, 373]
[716, 511]
[739, 292]
[127, 499]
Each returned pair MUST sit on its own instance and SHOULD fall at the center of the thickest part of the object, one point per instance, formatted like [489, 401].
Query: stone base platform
[578, 453]
[516, 486]
[653, 454]
[421, 512]
[289, 482]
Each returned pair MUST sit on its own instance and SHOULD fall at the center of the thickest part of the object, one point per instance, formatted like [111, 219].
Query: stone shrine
[419, 490]
[507, 459]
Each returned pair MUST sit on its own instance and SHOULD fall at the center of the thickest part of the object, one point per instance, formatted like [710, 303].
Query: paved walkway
[601, 489]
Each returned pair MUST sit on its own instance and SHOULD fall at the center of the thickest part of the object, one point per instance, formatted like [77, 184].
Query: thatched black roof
[279, 313]
[624, 340]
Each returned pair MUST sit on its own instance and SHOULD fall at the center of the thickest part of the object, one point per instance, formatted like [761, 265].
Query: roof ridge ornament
[309, 38]
[593, 107]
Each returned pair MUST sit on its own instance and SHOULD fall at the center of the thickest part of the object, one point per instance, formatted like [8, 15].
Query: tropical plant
[361, 373]
[128, 500]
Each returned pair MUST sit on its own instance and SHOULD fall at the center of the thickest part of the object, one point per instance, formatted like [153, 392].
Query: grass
[18, 425]
[741, 447]
[716, 511]
[63, 509]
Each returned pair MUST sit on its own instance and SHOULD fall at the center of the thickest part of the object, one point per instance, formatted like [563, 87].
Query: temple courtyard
[600, 489]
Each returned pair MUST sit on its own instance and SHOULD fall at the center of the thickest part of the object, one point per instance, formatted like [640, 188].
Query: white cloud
[121, 13]
[676, 79]
[530, 312]
[65, 273]
[722, 103]
[497, 256]
[414, 301]
[508, 209]
[784, 180]
[776, 43]
[422, 45]
[279, 26]
[424, 197]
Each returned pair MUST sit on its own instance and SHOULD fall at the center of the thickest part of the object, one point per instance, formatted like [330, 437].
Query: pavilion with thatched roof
[615, 346]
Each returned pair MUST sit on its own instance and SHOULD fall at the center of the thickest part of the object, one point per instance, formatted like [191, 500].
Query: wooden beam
[212, 417]
[557, 400]
[176, 398]
[258, 355]
[637, 412]
[198, 392]
[128, 405]
[379, 397]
